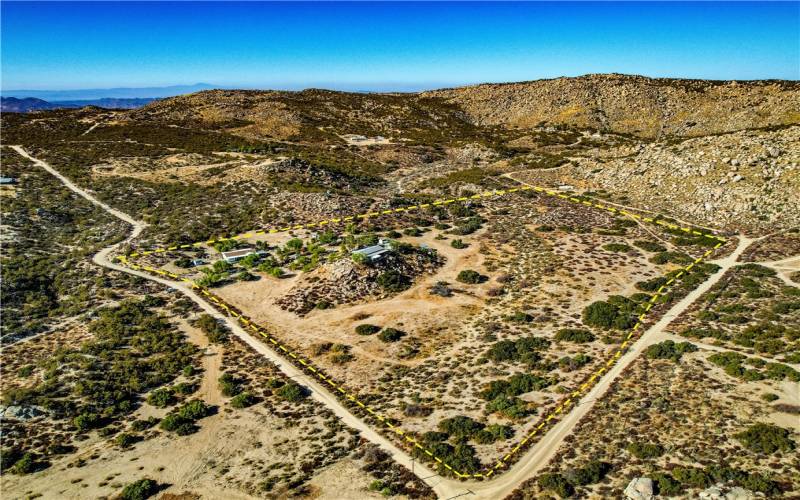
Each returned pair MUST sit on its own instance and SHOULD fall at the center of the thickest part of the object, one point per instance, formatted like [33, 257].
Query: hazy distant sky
[402, 46]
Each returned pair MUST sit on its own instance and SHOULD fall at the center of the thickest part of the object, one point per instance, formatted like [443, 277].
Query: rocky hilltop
[636, 105]
[639, 106]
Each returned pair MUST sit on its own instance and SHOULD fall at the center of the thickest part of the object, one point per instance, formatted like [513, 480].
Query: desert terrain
[344, 295]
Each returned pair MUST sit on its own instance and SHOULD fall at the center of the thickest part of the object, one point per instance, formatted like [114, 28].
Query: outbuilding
[374, 253]
[235, 256]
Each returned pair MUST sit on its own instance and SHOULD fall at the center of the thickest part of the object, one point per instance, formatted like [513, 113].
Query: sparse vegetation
[470, 277]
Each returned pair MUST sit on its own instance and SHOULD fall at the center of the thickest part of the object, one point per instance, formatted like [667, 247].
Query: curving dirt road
[529, 464]
[318, 392]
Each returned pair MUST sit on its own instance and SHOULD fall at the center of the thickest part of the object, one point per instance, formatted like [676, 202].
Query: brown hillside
[636, 105]
[632, 104]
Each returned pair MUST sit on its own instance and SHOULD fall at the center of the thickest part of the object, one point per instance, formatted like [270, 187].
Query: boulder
[738, 493]
[21, 412]
[640, 488]
[722, 492]
[712, 493]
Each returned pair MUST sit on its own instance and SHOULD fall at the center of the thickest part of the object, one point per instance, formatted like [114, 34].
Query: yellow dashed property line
[586, 385]
[367, 215]
[570, 401]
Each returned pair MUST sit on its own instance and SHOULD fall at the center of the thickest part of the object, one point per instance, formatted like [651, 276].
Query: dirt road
[529, 464]
[318, 392]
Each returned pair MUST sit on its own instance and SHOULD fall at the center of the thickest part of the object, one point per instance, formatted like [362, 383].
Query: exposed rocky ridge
[635, 105]
[745, 180]
[344, 281]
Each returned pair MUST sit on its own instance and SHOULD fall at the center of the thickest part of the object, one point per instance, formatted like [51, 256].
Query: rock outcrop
[640, 488]
[345, 282]
[636, 105]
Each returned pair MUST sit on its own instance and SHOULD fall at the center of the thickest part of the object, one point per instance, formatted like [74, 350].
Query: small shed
[236, 255]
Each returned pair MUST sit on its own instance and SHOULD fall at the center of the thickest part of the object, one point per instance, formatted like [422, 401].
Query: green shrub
[221, 266]
[341, 358]
[511, 407]
[651, 285]
[458, 244]
[757, 270]
[669, 350]
[666, 485]
[216, 332]
[576, 335]
[492, 433]
[391, 335]
[590, 473]
[125, 440]
[692, 477]
[573, 363]
[229, 385]
[394, 281]
[520, 317]
[778, 371]
[760, 483]
[556, 483]
[292, 391]
[671, 258]
[367, 329]
[468, 227]
[645, 450]
[460, 426]
[86, 421]
[470, 277]
[515, 385]
[650, 246]
[523, 350]
[766, 439]
[615, 313]
[185, 388]
[161, 398]
[243, 400]
[194, 410]
[8, 457]
[183, 262]
[142, 425]
[25, 464]
[139, 490]
[246, 276]
[616, 247]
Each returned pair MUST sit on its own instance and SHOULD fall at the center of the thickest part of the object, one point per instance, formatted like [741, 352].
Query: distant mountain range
[23, 101]
[115, 93]
[27, 104]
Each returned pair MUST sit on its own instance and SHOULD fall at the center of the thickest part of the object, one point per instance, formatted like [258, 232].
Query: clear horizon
[388, 46]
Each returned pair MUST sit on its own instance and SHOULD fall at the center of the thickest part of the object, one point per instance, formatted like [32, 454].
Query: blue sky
[380, 46]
